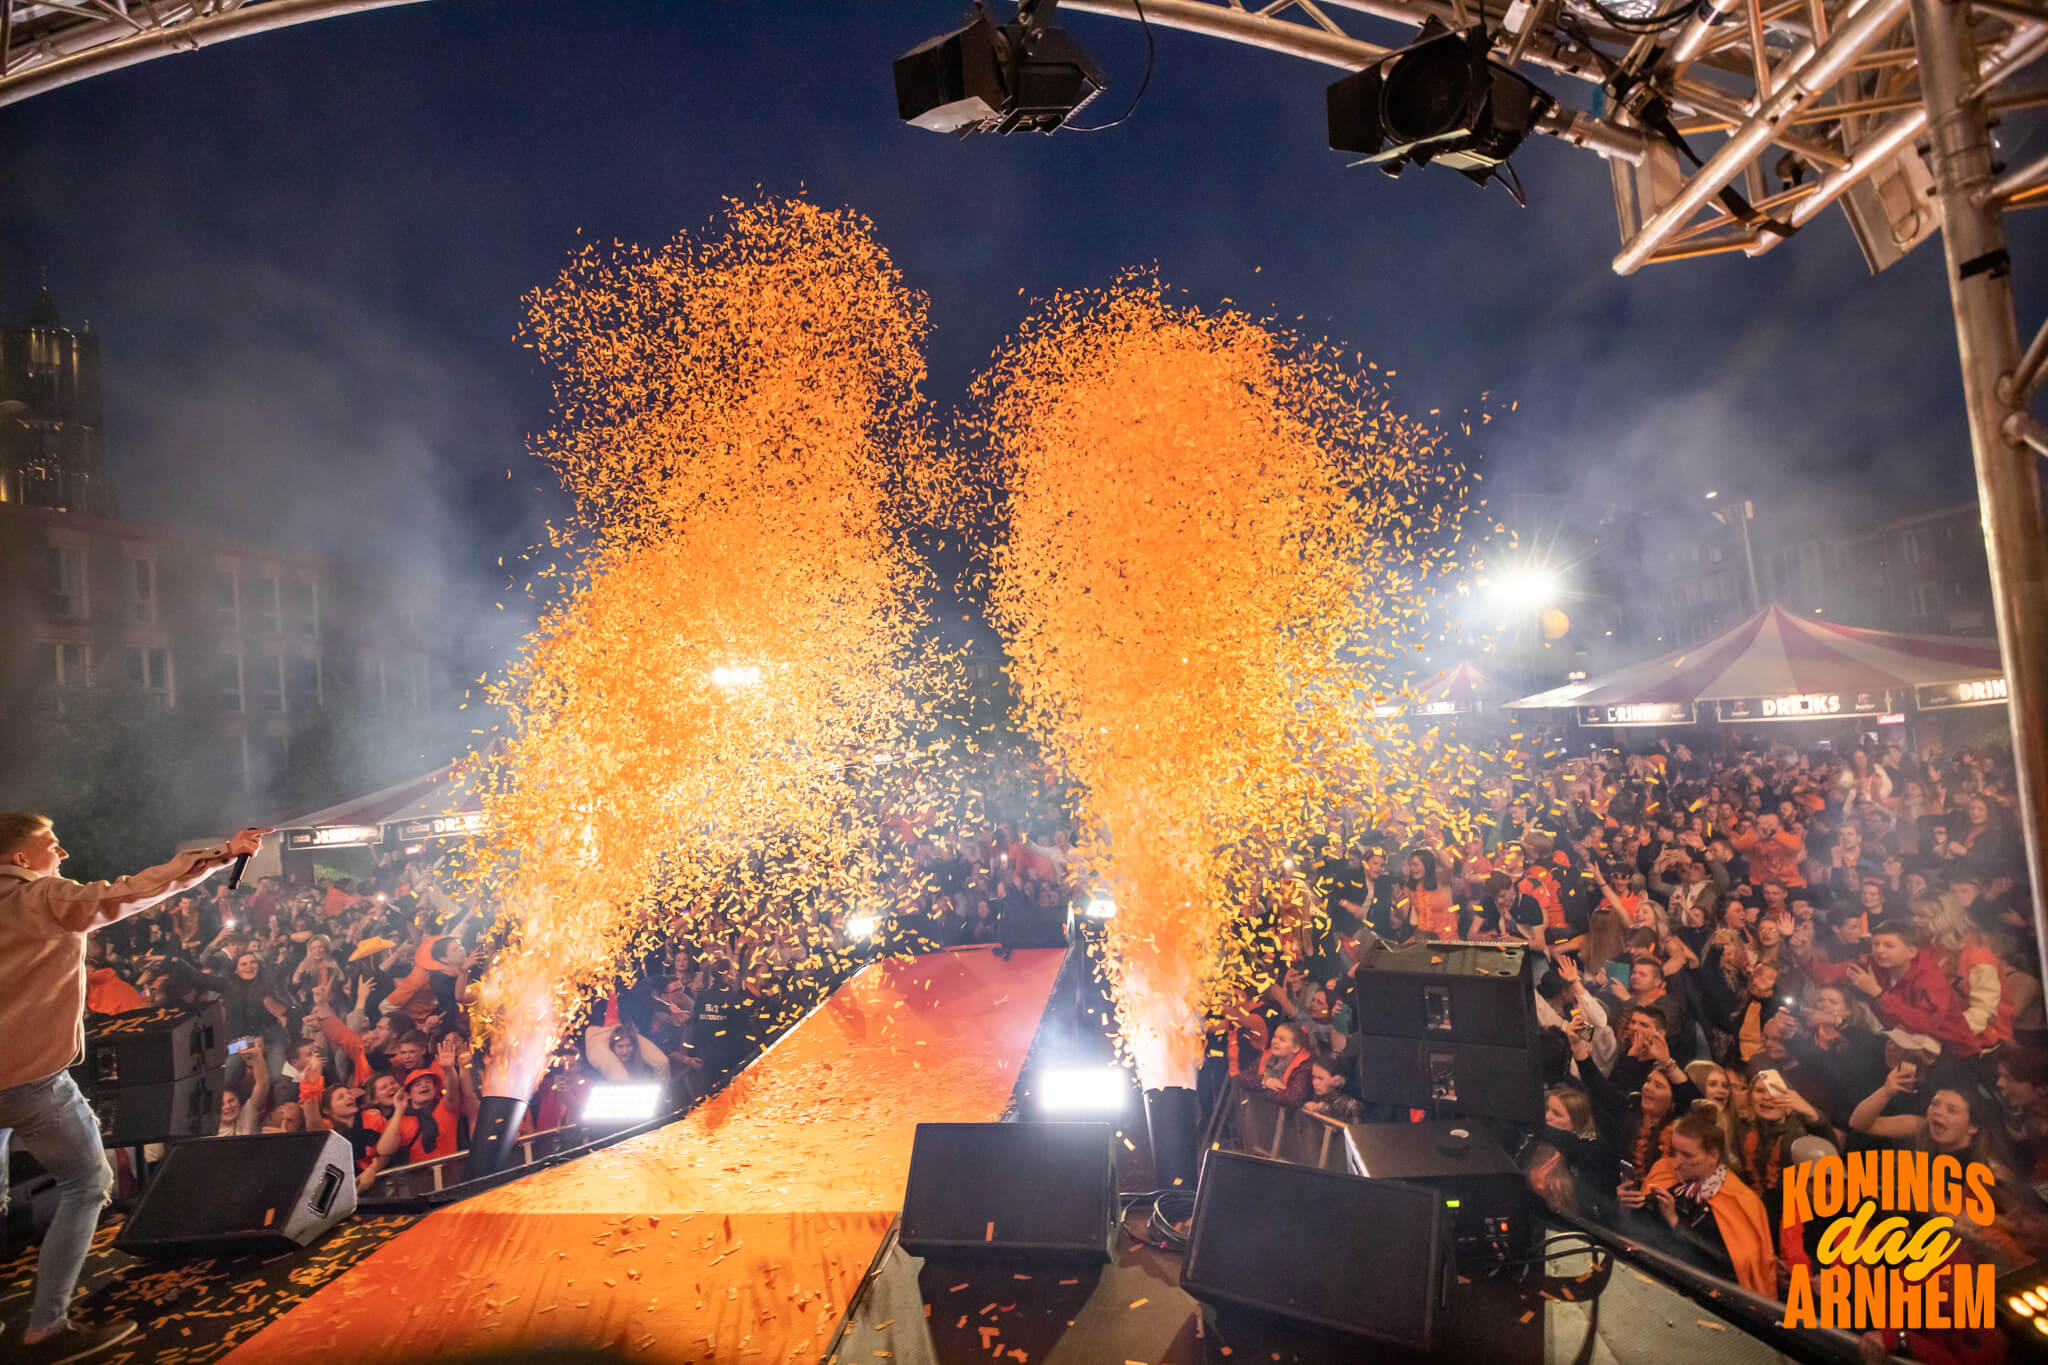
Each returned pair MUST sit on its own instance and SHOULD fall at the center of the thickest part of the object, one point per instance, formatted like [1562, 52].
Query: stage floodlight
[1439, 99]
[621, 1104]
[861, 926]
[990, 78]
[1085, 1090]
[1101, 907]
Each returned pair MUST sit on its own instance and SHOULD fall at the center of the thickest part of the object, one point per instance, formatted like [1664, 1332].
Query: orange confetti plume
[1217, 542]
[740, 423]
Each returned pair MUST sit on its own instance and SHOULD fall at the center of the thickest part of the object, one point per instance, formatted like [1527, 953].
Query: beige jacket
[43, 924]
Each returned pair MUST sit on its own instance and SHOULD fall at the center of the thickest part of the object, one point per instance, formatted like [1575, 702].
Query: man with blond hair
[44, 920]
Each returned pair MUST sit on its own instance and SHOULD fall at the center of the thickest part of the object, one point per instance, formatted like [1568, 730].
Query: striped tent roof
[425, 796]
[1775, 653]
[1463, 683]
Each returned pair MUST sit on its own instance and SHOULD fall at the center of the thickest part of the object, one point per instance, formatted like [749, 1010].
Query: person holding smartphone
[44, 920]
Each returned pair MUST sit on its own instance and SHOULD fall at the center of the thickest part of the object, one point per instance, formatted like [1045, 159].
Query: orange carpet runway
[736, 1234]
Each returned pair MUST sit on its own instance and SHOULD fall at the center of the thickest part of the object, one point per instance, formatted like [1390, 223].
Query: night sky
[304, 254]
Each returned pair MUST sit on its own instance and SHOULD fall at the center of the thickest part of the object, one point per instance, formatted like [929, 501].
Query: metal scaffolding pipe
[188, 36]
[2018, 385]
[2025, 178]
[1803, 82]
[2016, 51]
[1987, 343]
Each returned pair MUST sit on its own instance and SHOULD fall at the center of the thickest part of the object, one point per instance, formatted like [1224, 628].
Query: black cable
[1167, 1208]
[1151, 55]
[1515, 189]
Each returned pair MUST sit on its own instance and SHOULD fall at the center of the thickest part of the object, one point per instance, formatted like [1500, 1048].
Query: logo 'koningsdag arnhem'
[1884, 1258]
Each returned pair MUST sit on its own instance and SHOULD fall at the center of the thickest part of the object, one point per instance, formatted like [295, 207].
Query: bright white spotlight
[1101, 907]
[1085, 1090]
[729, 676]
[621, 1103]
[1527, 588]
[861, 926]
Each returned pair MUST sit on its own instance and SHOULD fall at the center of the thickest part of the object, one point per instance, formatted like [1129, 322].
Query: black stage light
[1438, 99]
[1024, 77]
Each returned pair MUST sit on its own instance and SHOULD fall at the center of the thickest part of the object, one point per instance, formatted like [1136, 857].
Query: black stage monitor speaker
[1013, 1190]
[1451, 1078]
[132, 1114]
[239, 1196]
[1456, 992]
[149, 1047]
[1485, 1192]
[1368, 1258]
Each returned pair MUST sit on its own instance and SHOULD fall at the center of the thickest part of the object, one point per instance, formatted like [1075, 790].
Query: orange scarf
[1745, 1229]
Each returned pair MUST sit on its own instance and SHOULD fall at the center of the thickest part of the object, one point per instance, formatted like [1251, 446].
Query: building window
[66, 575]
[302, 610]
[305, 682]
[370, 676]
[1925, 598]
[1919, 546]
[149, 672]
[269, 754]
[63, 669]
[229, 672]
[263, 605]
[418, 680]
[266, 682]
[227, 603]
[141, 592]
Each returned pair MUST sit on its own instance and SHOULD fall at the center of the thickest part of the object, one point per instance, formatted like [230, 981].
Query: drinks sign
[1803, 706]
[439, 827]
[331, 836]
[1638, 713]
[1940, 696]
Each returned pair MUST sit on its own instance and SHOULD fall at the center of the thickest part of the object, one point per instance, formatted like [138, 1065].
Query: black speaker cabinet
[1366, 1258]
[149, 1047]
[185, 1108]
[1011, 1190]
[238, 1196]
[1445, 1078]
[1485, 1193]
[1447, 992]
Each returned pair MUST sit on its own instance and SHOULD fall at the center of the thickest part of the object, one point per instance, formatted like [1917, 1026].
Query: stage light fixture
[1085, 1090]
[1100, 907]
[1023, 77]
[861, 926]
[620, 1104]
[1438, 99]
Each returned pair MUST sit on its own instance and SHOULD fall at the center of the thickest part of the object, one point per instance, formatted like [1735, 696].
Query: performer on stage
[44, 919]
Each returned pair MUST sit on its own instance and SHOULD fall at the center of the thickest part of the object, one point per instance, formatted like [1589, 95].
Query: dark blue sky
[304, 254]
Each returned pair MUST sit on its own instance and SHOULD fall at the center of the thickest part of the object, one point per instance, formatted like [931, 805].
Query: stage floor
[738, 1233]
[923, 1312]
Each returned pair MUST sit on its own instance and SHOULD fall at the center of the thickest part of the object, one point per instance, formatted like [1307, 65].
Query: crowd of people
[347, 1000]
[1743, 960]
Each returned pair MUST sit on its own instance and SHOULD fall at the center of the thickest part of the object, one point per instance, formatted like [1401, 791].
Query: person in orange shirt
[1774, 852]
[1429, 906]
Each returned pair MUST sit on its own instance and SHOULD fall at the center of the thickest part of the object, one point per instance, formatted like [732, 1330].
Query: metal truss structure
[1883, 106]
[47, 44]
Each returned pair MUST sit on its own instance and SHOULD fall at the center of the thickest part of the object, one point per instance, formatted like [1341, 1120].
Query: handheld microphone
[235, 876]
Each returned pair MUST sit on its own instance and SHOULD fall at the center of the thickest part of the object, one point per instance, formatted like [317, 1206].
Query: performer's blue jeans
[52, 1122]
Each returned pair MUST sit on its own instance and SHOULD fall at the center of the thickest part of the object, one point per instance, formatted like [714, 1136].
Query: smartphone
[241, 1045]
[1628, 1173]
